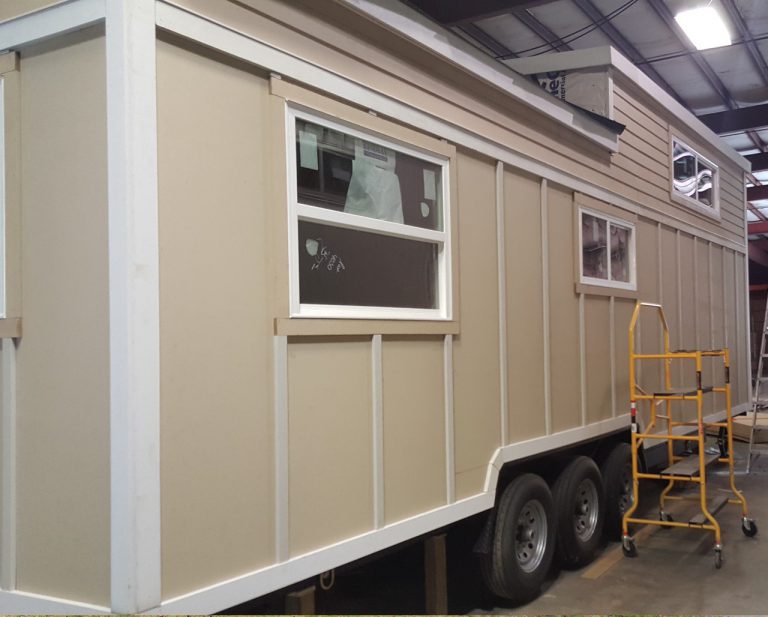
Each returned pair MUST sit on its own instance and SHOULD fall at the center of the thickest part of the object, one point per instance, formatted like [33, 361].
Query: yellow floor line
[612, 557]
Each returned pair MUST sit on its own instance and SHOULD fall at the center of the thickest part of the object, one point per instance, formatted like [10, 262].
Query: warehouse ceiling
[726, 87]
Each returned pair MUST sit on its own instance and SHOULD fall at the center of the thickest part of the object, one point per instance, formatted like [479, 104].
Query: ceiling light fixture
[704, 27]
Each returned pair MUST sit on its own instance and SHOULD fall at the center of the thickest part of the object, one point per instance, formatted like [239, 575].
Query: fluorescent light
[704, 27]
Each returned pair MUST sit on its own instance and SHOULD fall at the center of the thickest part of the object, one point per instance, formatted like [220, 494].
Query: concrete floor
[674, 572]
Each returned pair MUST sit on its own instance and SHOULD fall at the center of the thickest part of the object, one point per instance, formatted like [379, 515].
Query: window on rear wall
[607, 251]
[695, 180]
[369, 224]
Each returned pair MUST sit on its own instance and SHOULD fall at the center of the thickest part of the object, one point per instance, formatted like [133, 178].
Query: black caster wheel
[749, 527]
[628, 547]
[718, 558]
[665, 516]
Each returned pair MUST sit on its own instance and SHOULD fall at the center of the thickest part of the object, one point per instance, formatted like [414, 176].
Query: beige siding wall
[14, 8]
[330, 444]
[63, 359]
[414, 426]
[525, 311]
[597, 324]
[622, 313]
[644, 161]
[564, 324]
[476, 349]
[215, 343]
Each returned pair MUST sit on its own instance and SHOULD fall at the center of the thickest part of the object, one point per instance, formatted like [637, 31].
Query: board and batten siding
[62, 436]
[475, 349]
[217, 446]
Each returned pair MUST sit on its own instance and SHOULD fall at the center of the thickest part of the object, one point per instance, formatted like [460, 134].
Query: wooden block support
[435, 575]
[300, 602]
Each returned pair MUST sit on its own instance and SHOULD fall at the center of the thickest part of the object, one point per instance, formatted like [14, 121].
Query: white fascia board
[52, 21]
[609, 57]
[21, 603]
[399, 18]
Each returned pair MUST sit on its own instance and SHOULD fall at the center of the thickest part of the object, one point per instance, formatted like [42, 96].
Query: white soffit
[424, 32]
[609, 57]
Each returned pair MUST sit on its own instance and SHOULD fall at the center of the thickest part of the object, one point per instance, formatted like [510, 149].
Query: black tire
[580, 510]
[523, 540]
[616, 470]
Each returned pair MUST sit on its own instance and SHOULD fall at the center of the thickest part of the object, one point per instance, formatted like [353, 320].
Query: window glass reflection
[594, 233]
[352, 175]
[620, 253]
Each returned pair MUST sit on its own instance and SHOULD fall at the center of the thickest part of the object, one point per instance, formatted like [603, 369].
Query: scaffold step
[689, 466]
[713, 506]
[682, 392]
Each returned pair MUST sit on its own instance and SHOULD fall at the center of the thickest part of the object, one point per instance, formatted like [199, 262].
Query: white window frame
[609, 282]
[303, 212]
[711, 211]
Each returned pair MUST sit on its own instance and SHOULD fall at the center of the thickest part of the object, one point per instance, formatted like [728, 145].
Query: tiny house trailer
[288, 283]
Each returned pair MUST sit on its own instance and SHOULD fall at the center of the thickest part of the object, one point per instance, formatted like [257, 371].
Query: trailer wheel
[616, 470]
[523, 540]
[579, 504]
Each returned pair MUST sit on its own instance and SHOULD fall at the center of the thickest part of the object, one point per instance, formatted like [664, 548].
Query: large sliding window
[368, 222]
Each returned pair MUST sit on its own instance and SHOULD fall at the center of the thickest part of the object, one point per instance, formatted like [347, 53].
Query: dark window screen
[349, 267]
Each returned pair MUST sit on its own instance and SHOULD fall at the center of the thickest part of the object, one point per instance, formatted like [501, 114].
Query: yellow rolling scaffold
[681, 469]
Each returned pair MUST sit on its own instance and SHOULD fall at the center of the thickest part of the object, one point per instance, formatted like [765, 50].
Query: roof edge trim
[440, 41]
[609, 56]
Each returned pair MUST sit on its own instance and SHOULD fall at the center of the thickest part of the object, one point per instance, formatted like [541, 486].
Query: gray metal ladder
[760, 378]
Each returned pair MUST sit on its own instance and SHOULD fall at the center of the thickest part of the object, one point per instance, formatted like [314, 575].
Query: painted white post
[133, 305]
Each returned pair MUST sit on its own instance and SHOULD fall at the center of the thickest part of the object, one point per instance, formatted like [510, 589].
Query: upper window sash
[330, 211]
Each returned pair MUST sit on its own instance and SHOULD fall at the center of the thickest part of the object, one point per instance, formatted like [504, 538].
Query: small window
[368, 223]
[694, 178]
[607, 251]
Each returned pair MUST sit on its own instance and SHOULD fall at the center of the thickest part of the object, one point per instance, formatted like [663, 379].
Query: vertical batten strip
[660, 291]
[378, 432]
[747, 374]
[696, 292]
[450, 448]
[545, 304]
[502, 271]
[726, 338]
[680, 343]
[282, 504]
[711, 299]
[612, 344]
[134, 306]
[582, 361]
[8, 493]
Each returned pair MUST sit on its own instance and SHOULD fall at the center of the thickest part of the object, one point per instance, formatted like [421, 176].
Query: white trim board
[134, 306]
[49, 22]
[21, 603]
[231, 42]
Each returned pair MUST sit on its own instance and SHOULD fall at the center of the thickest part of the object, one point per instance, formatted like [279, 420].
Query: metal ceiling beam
[623, 45]
[759, 161]
[757, 192]
[456, 13]
[757, 228]
[540, 30]
[714, 81]
[737, 120]
[758, 60]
